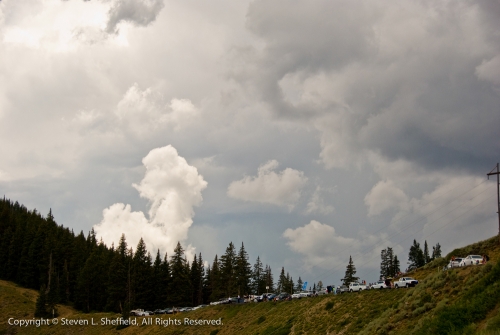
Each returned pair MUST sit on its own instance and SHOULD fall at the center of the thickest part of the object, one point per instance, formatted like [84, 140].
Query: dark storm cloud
[401, 80]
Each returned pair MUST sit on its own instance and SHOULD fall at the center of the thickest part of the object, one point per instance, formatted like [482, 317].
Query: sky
[310, 131]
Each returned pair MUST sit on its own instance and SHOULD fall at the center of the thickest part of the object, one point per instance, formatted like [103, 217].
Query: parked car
[271, 296]
[260, 298]
[283, 296]
[405, 282]
[356, 287]
[472, 260]
[296, 296]
[138, 312]
[198, 307]
[342, 289]
[379, 285]
[455, 263]
[305, 294]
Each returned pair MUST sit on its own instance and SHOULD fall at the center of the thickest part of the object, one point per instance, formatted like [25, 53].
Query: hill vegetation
[456, 301]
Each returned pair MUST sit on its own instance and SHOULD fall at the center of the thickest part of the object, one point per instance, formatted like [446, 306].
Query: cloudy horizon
[310, 132]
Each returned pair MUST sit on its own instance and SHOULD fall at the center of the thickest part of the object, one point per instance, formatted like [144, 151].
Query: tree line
[37, 253]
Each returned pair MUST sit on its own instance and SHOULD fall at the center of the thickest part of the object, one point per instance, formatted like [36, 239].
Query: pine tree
[395, 267]
[196, 280]
[207, 287]
[349, 273]
[117, 282]
[41, 304]
[201, 271]
[258, 283]
[416, 256]
[268, 279]
[215, 283]
[282, 282]
[165, 277]
[384, 264]
[387, 263]
[320, 286]
[64, 286]
[390, 262]
[142, 277]
[436, 251]
[300, 283]
[4, 254]
[180, 285]
[228, 271]
[427, 258]
[243, 272]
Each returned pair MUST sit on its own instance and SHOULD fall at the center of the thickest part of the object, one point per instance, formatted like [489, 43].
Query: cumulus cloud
[140, 113]
[384, 196]
[321, 246]
[278, 188]
[138, 12]
[173, 188]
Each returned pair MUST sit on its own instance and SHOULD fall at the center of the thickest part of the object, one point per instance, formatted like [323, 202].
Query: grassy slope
[401, 311]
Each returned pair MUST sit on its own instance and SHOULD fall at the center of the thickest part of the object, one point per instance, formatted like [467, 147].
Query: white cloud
[312, 239]
[384, 196]
[173, 188]
[144, 110]
[282, 188]
[321, 246]
[141, 113]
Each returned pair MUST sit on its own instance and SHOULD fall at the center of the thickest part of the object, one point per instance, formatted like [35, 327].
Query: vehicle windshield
[476, 256]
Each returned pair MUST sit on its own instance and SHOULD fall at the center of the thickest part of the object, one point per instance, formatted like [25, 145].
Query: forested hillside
[69, 268]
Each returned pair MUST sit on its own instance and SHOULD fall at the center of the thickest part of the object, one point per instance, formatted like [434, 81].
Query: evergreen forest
[77, 269]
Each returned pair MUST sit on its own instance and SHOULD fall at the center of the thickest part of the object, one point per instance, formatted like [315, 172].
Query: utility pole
[497, 173]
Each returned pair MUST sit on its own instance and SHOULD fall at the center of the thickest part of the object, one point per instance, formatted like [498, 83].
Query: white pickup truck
[405, 282]
[356, 287]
